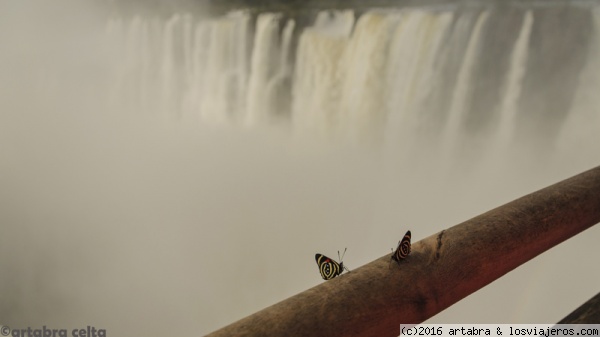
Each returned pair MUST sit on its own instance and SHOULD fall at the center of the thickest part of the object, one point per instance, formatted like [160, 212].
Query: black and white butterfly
[328, 267]
[403, 249]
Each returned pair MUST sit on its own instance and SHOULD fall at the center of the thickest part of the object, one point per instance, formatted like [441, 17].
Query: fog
[144, 224]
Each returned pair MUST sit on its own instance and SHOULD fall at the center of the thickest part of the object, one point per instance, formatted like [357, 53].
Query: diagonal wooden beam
[442, 269]
[587, 313]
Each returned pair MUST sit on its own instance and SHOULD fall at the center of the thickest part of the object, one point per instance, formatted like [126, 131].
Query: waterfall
[316, 91]
[418, 41]
[166, 172]
[270, 69]
[513, 86]
[463, 90]
[445, 74]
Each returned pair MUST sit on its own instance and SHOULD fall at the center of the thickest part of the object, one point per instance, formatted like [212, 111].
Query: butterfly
[402, 250]
[330, 268]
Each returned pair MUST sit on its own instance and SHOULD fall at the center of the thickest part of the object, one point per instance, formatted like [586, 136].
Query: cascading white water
[449, 83]
[316, 94]
[270, 69]
[116, 218]
[406, 76]
[413, 84]
[461, 96]
[512, 88]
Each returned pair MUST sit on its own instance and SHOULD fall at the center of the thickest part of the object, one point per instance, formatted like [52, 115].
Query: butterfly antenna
[341, 258]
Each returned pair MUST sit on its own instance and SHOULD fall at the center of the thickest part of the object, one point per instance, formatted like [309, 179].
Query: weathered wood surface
[442, 269]
[587, 313]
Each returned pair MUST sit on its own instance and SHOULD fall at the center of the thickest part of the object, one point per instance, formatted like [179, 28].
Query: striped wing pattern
[403, 249]
[328, 267]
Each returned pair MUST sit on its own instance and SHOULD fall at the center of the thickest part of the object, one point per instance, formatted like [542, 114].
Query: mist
[142, 223]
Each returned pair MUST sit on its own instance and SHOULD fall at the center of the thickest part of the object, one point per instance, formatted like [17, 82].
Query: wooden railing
[442, 269]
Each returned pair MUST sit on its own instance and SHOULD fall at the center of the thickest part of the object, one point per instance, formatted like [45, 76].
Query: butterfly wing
[403, 249]
[328, 267]
[395, 252]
